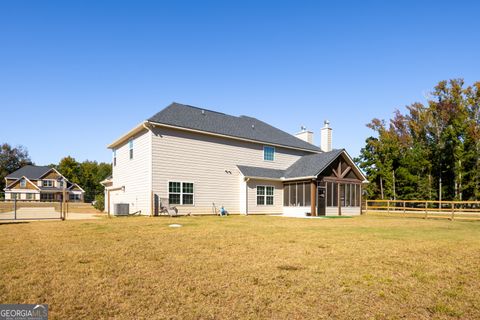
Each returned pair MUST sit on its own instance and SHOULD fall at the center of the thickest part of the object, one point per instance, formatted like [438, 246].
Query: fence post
[366, 206]
[388, 206]
[453, 211]
[15, 208]
[426, 209]
[404, 207]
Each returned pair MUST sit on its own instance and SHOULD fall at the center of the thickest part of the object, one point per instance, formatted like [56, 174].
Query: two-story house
[39, 183]
[199, 160]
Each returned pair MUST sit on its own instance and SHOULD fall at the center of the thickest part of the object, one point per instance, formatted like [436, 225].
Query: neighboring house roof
[30, 172]
[306, 166]
[189, 117]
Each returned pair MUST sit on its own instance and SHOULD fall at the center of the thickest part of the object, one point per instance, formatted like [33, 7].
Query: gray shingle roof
[312, 165]
[31, 172]
[190, 117]
[261, 172]
[306, 166]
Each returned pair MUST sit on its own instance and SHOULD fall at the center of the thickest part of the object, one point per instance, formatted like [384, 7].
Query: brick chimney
[305, 135]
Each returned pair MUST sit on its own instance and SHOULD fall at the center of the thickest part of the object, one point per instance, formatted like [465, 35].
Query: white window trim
[264, 196]
[181, 193]
[274, 152]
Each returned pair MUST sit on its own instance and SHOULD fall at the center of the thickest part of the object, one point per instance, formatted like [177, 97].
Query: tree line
[430, 152]
[87, 174]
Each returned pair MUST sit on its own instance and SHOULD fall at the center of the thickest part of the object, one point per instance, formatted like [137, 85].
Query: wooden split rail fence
[450, 209]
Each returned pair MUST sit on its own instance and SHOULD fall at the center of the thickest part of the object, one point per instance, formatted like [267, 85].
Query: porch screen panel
[286, 194]
[330, 194]
[307, 194]
[358, 196]
[347, 195]
[300, 195]
[293, 195]
[335, 194]
[342, 195]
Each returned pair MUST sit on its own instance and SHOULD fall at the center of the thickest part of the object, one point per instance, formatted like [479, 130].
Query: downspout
[151, 193]
[246, 196]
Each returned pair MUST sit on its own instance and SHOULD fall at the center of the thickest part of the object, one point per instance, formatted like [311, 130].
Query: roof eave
[299, 178]
[263, 178]
[124, 138]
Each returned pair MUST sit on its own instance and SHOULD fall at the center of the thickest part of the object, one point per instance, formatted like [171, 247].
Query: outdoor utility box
[121, 209]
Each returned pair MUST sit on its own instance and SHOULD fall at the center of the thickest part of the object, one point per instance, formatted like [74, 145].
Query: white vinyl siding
[133, 174]
[210, 163]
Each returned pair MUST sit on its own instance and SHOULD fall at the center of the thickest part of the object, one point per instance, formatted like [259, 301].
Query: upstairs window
[268, 153]
[114, 157]
[180, 193]
[265, 195]
[23, 183]
[47, 183]
[130, 145]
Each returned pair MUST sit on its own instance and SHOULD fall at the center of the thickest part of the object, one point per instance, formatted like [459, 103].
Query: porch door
[321, 201]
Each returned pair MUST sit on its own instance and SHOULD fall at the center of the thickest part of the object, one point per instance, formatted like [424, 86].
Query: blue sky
[75, 75]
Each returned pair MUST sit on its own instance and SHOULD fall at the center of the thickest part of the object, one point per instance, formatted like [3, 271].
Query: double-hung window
[114, 157]
[180, 193]
[268, 153]
[130, 146]
[265, 195]
[23, 183]
[47, 183]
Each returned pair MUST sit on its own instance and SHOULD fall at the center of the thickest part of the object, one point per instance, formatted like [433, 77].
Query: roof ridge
[200, 108]
[189, 117]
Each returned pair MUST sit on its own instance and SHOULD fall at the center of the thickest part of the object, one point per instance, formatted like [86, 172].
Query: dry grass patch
[244, 268]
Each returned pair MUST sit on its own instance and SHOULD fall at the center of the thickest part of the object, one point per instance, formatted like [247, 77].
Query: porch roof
[257, 172]
[312, 165]
[305, 167]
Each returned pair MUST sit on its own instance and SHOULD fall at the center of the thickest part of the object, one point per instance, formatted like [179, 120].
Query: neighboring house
[36, 183]
[199, 160]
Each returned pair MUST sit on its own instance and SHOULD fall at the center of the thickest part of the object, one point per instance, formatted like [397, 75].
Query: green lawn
[370, 267]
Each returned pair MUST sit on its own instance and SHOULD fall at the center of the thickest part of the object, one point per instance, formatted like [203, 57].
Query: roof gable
[312, 165]
[194, 118]
[308, 166]
[16, 184]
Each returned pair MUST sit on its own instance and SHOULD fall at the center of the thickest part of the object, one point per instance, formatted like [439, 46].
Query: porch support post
[313, 198]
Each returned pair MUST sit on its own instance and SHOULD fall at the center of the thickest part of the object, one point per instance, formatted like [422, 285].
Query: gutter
[127, 135]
